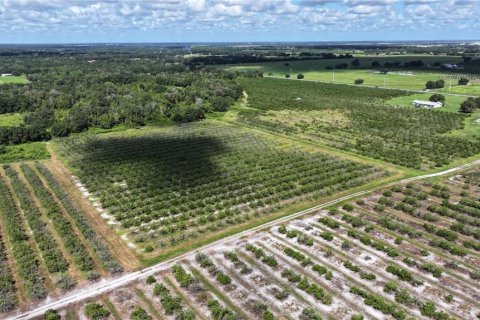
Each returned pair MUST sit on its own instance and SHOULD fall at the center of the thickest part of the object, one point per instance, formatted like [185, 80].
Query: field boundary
[109, 285]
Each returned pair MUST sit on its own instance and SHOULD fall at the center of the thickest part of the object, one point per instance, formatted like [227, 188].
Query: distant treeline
[72, 93]
[234, 59]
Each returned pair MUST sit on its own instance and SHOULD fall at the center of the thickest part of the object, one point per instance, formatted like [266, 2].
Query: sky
[109, 21]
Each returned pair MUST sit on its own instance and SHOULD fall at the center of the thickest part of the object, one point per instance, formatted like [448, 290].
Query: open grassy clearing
[279, 67]
[394, 79]
[47, 245]
[452, 103]
[358, 120]
[24, 152]
[11, 119]
[407, 252]
[163, 189]
[14, 80]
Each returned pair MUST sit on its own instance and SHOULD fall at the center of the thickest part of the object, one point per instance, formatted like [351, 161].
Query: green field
[356, 119]
[23, 152]
[280, 67]
[410, 80]
[11, 119]
[14, 79]
[452, 103]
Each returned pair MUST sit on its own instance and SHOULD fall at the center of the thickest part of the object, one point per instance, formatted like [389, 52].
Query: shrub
[309, 314]
[151, 280]
[140, 314]
[65, 282]
[96, 311]
[437, 97]
[358, 81]
[51, 315]
[267, 315]
[463, 81]
[282, 295]
[182, 277]
[327, 235]
[390, 286]
[187, 113]
[300, 76]
[468, 106]
[223, 278]
[433, 269]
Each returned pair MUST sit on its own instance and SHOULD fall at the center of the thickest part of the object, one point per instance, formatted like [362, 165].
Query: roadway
[106, 285]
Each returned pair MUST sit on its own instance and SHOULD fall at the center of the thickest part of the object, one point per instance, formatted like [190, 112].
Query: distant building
[7, 74]
[427, 104]
[450, 66]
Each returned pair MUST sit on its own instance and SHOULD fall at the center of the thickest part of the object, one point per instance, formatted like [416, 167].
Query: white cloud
[254, 16]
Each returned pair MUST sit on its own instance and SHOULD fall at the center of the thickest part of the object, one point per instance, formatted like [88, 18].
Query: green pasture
[398, 79]
[11, 119]
[452, 103]
[13, 79]
[283, 67]
[471, 89]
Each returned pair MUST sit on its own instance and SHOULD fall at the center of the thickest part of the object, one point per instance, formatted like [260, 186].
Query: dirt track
[111, 284]
[125, 255]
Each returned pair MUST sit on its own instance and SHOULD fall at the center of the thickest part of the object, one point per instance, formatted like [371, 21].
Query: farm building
[6, 74]
[426, 104]
[450, 66]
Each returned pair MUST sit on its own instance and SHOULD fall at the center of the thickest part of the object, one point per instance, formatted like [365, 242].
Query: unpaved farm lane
[107, 285]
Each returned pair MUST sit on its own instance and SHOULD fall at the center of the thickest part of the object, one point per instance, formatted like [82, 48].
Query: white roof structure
[427, 104]
[6, 74]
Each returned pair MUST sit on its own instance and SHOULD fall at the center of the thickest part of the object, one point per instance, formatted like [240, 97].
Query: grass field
[411, 80]
[14, 79]
[168, 188]
[11, 119]
[279, 67]
[452, 103]
[24, 152]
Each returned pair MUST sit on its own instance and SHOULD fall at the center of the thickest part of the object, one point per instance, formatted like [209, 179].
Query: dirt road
[107, 285]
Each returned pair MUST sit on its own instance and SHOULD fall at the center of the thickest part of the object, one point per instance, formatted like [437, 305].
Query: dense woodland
[72, 92]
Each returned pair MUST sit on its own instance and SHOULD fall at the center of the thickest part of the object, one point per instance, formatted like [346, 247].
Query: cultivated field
[407, 252]
[47, 245]
[357, 119]
[167, 190]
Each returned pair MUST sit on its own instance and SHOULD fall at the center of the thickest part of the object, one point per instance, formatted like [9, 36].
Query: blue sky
[80, 21]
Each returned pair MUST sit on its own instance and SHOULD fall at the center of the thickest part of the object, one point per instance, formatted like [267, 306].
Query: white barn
[426, 104]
